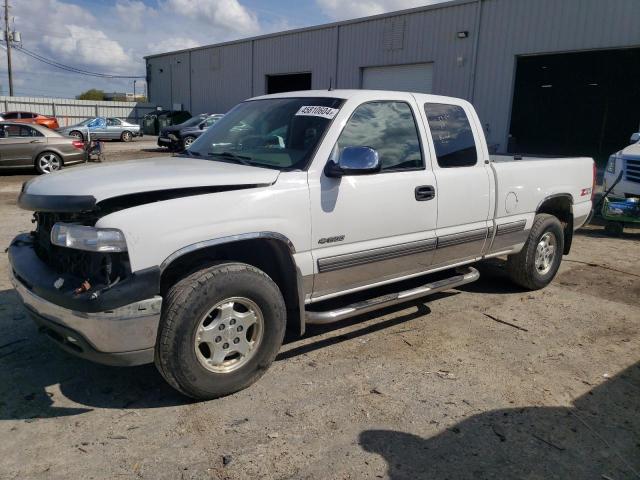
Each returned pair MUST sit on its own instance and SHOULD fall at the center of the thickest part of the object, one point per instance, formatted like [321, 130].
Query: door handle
[425, 192]
[36, 141]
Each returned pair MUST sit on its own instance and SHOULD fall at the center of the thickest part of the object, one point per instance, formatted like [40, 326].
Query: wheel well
[269, 255]
[78, 132]
[561, 207]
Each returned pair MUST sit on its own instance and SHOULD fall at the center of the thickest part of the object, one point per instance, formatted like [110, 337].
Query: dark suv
[180, 137]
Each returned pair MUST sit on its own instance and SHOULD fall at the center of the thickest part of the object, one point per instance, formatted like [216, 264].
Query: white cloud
[133, 13]
[88, 46]
[226, 14]
[172, 44]
[343, 9]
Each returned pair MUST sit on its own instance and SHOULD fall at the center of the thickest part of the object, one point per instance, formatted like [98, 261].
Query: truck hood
[631, 150]
[78, 188]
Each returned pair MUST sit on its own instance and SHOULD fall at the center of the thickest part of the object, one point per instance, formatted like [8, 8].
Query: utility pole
[8, 37]
[134, 90]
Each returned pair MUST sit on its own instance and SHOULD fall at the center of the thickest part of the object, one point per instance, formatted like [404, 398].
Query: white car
[275, 217]
[625, 165]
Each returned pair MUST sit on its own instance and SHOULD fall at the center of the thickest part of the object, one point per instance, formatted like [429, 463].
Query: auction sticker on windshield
[317, 111]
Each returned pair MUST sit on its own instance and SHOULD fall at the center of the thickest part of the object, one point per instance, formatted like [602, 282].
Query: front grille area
[100, 269]
[632, 169]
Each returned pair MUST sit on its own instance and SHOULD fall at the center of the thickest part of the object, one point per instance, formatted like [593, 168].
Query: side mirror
[635, 138]
[201, 126]
[354, 161]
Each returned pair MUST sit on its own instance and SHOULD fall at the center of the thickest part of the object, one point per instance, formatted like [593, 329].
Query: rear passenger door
[464, 183]
[18, 144]
[114, 128]
[376, 227]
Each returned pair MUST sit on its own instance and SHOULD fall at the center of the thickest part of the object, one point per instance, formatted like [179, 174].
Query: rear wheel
[76, 134]
[220, 330]
[539, 260]
[126, 136]
[48, 162]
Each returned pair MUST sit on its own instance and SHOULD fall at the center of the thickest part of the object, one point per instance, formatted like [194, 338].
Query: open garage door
[585, 103]
[417, 77]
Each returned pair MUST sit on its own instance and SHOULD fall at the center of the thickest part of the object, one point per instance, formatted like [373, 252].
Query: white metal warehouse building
[546, 76]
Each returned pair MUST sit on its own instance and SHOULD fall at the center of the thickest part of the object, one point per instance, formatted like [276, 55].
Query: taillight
[593, 184]
[78, 144]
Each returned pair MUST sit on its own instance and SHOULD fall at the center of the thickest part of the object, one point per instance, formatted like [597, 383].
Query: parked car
[289, 201]
[180, 137]
[103, 128]
[626, 162]
[30, 117]
[37, 147]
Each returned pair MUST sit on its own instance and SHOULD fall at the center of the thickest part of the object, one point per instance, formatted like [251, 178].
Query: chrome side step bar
[465, 275]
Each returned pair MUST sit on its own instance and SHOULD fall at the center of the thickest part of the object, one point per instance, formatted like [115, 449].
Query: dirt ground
[484, 382]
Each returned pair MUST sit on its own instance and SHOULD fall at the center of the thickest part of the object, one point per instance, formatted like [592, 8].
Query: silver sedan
[103, 128]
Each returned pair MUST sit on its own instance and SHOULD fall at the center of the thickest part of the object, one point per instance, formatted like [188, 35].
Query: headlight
[88, 238]
[611, 164]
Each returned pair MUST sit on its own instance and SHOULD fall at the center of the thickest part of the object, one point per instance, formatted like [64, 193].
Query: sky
[113, 36]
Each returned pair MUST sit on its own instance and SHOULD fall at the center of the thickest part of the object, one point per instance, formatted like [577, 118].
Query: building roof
[323, 26]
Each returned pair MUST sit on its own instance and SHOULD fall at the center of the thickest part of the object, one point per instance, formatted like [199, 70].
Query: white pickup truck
[276, 217]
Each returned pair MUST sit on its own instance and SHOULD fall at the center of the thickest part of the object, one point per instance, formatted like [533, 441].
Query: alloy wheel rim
[545, 253]
[49, 163]
[229, 335]
[126, 136]
[188, 141]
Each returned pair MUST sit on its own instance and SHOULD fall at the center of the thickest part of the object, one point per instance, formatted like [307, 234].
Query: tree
[91, 94]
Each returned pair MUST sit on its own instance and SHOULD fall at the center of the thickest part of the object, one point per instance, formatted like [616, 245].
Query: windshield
[278, 133]
[191, 122]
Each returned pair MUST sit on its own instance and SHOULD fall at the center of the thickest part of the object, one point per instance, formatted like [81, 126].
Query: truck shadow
[595, 438]
[38, 378]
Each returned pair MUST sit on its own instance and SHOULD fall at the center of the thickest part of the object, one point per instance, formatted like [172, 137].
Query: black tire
[187, 141]
[521, 267]
[614, 229]
[48, 162]
[126, 136]
[183, 309]
[77, 134]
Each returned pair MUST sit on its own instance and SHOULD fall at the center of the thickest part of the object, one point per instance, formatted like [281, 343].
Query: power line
[69, 68]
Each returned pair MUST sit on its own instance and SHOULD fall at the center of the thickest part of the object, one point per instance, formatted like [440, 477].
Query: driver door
[379, 227]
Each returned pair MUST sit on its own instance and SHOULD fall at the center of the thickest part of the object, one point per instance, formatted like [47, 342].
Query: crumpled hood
[150, 175]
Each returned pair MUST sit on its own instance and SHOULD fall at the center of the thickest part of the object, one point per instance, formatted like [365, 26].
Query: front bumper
[112, 333]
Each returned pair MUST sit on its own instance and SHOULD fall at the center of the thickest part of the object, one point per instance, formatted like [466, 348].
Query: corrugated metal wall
[525, 27]
[71, 111]
[221, 76]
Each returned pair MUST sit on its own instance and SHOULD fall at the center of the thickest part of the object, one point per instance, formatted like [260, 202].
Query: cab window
[452, 135]
[389, 128]
[113, 122]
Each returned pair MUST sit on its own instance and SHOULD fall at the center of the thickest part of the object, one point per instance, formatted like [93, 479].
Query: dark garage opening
[576, 103]
[288, 83]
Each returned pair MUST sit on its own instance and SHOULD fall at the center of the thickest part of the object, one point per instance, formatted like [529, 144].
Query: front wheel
[539, 260]
[186, 143]
[220, 330]
[48, 162]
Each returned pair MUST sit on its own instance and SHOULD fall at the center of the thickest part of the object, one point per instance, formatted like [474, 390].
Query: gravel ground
[487, 381]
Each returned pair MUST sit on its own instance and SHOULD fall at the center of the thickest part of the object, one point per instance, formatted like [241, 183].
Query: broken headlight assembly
[86, 238]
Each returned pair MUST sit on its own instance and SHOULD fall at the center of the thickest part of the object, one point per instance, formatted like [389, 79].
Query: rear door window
[452, 135]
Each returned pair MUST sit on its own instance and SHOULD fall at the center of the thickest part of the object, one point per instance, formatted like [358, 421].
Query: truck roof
[361, 95]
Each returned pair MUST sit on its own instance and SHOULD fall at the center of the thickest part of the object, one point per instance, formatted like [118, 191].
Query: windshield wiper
[229, 155]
